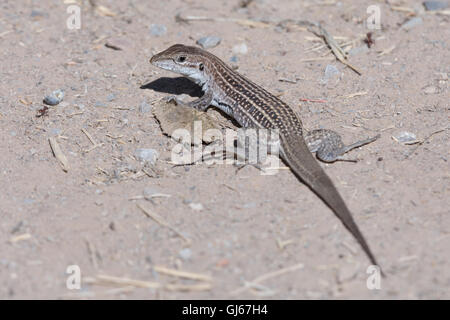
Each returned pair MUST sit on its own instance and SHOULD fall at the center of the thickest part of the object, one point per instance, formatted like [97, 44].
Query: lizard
[254, 107]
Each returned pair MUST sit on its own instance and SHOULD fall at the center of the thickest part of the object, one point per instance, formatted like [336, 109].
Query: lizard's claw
[174, 100]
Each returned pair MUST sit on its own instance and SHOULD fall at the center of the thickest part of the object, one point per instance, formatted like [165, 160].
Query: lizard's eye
[201, 66]
[181, 59]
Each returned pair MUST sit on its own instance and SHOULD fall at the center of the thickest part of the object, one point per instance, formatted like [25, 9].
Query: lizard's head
[188, 61]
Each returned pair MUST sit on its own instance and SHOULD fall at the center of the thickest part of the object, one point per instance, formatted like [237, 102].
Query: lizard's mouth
[163, 64]
[170, 65]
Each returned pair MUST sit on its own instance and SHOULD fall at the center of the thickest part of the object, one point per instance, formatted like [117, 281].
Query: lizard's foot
[200, 104]
[174, 100]
[329, 147]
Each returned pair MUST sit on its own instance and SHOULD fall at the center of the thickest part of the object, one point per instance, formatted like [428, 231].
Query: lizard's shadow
[174, 86]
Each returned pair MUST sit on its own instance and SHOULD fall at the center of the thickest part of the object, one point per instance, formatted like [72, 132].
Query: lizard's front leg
[203, 102]
[200, 104]
[328, 145]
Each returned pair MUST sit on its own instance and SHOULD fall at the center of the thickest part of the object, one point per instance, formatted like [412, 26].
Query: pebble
[38, 14]
[55, 131]
[405, 137]
[435, 5]
[100, 104]
[196, 206]
[314, 108]
[146, 155]
[358, 50]
[240, 49]
[430, 90]
[28, 201]
[411, 23]
[209, 42]
[144, 107]
[185, 254]
[331, 71]
[234, 59]
[249, 205]
[158, 30]
[111, 97]
[54, 98]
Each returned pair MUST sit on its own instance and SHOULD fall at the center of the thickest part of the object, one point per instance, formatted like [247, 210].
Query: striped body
[254, 107]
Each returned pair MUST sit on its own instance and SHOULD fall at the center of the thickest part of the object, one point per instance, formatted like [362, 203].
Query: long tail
[295, 153]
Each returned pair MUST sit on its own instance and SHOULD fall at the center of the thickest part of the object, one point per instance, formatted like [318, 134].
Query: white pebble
[146, 155]
[240, 49]
[196, 206]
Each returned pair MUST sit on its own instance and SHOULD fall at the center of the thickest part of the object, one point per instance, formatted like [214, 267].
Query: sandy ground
[241, 225]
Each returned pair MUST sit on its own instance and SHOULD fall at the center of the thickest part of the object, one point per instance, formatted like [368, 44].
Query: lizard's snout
[155, 58]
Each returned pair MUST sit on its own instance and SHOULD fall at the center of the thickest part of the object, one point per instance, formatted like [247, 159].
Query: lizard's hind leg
[328, 145]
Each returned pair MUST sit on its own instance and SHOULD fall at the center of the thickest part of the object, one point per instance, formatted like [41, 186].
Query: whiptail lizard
[254, 107]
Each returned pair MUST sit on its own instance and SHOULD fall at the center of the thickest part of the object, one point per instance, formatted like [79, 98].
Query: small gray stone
[331, 71]
[358, 50]
[314, 108]
[54, 98]
[435, 5]
[100, 104]
[405, 137]
[411, 23]
[279, 29]
[158, 30]
[111, 97]
[146, 155]
[185, 254]
[55, 131]
[196, 206]
[38, 14]
[209, 42]
[234, 59]
[430, 90]
[249, 205]
[29, 201]
[240, 49]
[144, 107]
